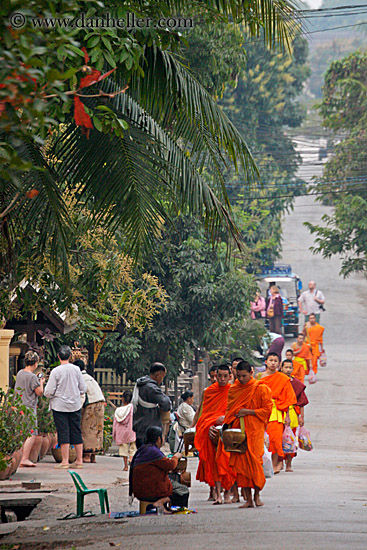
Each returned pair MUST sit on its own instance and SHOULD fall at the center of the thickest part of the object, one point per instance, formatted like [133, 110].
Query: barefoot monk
[302, 356]
[213, 409]
[283, 396]
[250, 399]
[315, 336]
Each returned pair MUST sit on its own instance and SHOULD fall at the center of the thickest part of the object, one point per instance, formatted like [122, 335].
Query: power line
[335, 8]
[249, 199]
[346, 182]
[306, 33]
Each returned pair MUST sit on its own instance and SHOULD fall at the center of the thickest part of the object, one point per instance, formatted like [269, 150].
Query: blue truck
[290, 286]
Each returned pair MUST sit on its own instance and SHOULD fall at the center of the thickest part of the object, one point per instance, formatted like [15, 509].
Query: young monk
[296, 412]
[234, 489]
[315, 335]
[298, 369]
[302, 354]
[213, 409]
[250, 399]
[234, 364]
[283, 396]
[212, 378]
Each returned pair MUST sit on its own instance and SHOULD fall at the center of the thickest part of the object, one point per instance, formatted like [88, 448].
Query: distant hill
[328, 43]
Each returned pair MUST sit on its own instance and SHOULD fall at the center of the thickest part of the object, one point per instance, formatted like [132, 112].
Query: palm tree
[136, 178]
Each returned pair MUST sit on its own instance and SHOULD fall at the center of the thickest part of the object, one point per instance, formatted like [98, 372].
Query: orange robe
[214, 406]
[315, 336]
[247, 468]
[283, 396]
[302, 366]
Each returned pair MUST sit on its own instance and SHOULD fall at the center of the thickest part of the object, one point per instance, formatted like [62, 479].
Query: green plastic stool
[82, 490]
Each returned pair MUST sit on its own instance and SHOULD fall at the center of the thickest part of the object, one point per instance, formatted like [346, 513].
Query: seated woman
[185, 415]
[148, 479]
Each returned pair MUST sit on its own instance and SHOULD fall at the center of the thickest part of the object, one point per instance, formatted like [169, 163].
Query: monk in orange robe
[315, 336]
[298, 368]
[250, 399]
[283, 396]
[296, 412]
[303, 356]
[213, 410]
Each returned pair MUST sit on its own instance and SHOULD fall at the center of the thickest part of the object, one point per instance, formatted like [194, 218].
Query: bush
[16, 424]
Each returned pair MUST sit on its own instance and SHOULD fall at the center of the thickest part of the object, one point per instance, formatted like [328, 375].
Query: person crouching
[148, 479]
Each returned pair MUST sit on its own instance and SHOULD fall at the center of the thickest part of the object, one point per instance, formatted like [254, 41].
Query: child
[122, 432]
[298, 368]
[296, 412]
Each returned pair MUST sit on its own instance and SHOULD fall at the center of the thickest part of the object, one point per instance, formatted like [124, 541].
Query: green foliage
[16, 424]
[119, 352]
[265, 101]
[149, 146]
[107, 429]
[102, 290]
[216, 55]
[208, 306]
[343, 108]
[264, 106]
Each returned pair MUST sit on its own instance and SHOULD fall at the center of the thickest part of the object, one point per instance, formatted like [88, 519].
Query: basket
[189, 439]
[234, 439]
[185, 479]
[181, 465]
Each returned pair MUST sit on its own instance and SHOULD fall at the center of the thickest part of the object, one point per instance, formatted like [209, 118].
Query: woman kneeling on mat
[149, 470]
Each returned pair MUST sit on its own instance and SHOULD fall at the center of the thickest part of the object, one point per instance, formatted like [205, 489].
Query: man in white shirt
[310, 301]
[64, 389]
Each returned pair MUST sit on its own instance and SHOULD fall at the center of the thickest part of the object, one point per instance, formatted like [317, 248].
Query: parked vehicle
[290, 286]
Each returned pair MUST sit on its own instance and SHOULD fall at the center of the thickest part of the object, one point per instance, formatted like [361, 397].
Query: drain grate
[21, 507]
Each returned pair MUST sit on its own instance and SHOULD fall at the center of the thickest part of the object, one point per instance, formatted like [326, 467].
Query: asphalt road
[323, 503]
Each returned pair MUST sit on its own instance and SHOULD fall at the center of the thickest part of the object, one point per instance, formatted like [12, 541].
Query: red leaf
[32, 193]
[90, 79]
[106, 74]
[81, 117]
[86, 56]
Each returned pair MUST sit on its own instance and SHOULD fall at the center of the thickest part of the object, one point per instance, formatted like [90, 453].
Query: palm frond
[44, 215]
[172, 95]
[279, 19]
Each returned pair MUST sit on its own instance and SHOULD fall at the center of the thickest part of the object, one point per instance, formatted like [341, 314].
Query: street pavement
[321, 505]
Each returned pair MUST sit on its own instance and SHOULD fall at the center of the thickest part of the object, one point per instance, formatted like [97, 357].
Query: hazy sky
[314, 3]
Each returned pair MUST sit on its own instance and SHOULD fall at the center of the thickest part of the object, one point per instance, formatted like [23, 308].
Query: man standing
[148, 402]
[303, 356]
[250, 399]
[213, 409]
[310, 301]
[283, 396]
[315, 334]
[64, 389]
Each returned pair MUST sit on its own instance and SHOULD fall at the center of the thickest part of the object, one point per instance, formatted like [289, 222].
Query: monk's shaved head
[223, 367]
[244, 366]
